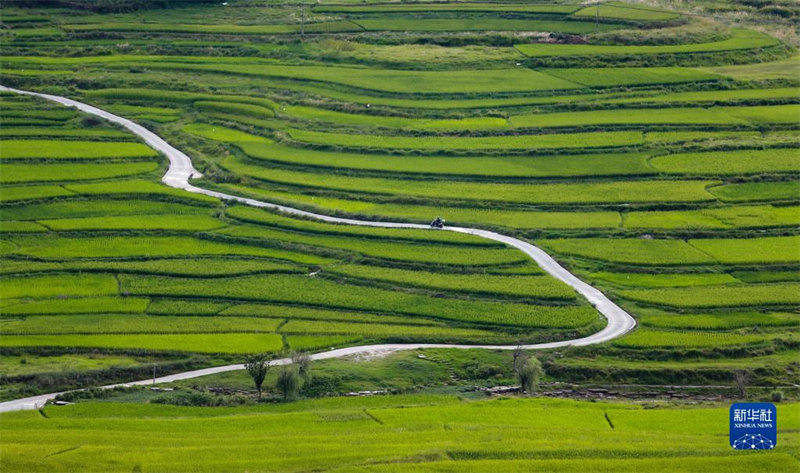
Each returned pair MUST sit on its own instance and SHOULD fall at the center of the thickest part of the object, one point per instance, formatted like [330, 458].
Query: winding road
[181, 170]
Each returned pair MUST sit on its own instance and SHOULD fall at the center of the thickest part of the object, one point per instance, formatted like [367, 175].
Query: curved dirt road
[181, 170]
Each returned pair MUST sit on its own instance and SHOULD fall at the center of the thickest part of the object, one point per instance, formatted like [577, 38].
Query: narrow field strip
[512, 142]
[741, 39]
[51, 149]
[427, 7]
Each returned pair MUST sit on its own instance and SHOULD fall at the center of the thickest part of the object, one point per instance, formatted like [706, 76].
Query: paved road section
[181, 171]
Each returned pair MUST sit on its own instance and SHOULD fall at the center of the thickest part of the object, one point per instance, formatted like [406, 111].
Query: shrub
[200, 399]
[90, 121]
[529, 373]
[289, 382]
[323, 385]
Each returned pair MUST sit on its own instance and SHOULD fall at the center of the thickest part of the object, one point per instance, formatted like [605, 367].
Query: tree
[289, 382]
[303, 364]
[257, 367]
[520, 357]
[529, 374]
[742, 377]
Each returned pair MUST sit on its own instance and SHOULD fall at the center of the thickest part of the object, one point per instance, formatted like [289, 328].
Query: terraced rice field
[656, 160]
[96, 263]
[594, 173]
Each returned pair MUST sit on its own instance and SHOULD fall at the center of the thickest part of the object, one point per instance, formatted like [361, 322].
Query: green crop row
[58, 248]
[631, 251]
[138, 222]
[760, 216]
[19, 173]
[249, 110]
[719, 296]
[663, 138]
[196, 343]
[221, 133]
[437, 7]
[671, 252]
[618, 76]
[142, 110]
[672, 116]
[11, 121]
[780, 93]
[511, 142]
[51, 149]
[752, 250]
[741, 39]
[132, 324]
[52, 132]
[766, 276]
[82, 305]
[757, 191]
[624, 11]
[186, 307]
[479, 24]
[11, 226]
[193, 266]
[785, 114]
[173, 96]
[332, 27]
[652, 339]
[98, 206]
[665, 280]
[43, 114]
[383, 121]
[758, 71]
[729, 162]
[58, 286]
[720, 321]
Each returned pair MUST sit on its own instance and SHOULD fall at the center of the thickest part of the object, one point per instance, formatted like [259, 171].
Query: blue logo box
[753, 426]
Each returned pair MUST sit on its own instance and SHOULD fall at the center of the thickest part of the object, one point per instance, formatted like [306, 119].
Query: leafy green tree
[529, 374]
[257, 367]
